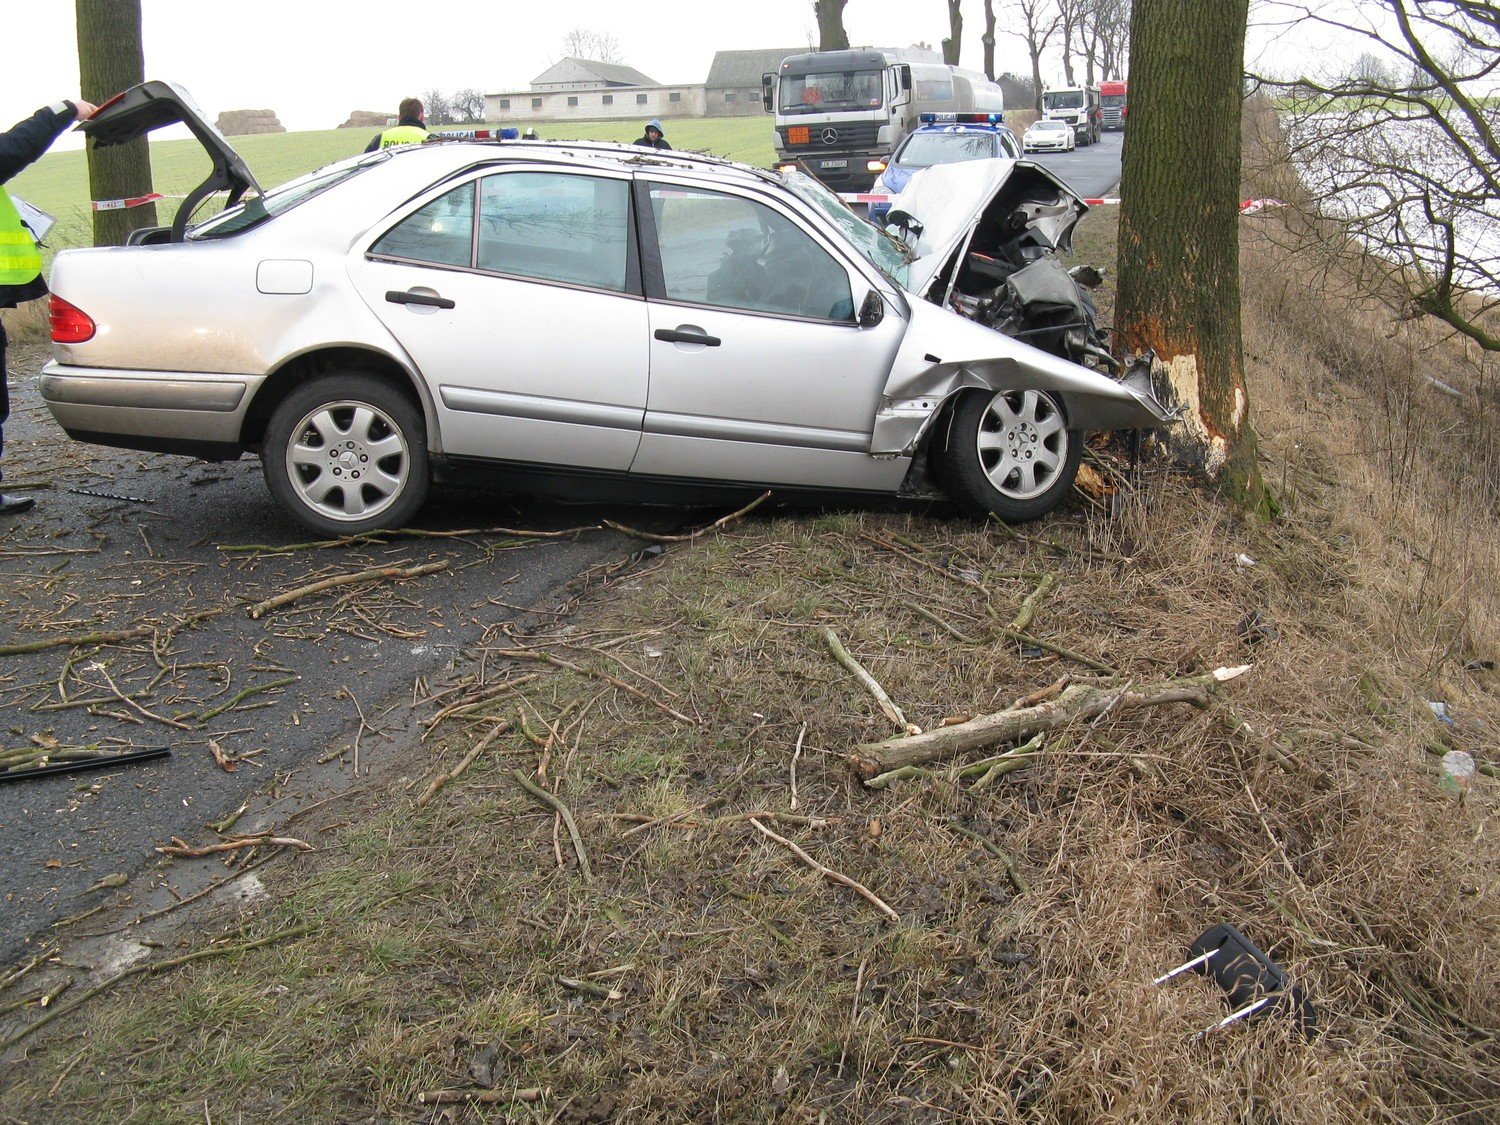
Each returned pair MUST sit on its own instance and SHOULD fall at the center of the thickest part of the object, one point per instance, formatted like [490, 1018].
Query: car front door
[760, 372]
[517, 296]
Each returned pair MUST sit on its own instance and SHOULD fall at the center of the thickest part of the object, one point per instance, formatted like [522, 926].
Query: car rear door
[759, 371]
[517, 295]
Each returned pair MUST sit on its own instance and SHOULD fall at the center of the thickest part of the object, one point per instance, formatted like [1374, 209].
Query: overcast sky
[313, 61]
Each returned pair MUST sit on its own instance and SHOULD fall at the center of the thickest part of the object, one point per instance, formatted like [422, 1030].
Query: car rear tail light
[70, 324]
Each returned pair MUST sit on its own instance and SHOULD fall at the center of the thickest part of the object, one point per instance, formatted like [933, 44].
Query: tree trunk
[989, 39]
[831, 33]
[110, 59]
[1179, 288]
[954, 42]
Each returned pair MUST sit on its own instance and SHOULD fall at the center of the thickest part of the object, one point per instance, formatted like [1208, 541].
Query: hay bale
[366, 119]
[246, 122]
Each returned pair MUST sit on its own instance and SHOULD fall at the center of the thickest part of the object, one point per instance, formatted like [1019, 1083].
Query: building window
[572, 102]
[640, 99]
[536, 103]
[504, 103]
[674, 96]
[729, 95]
[609, 99]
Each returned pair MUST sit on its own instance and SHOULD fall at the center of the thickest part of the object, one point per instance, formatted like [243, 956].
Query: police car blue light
[943, 138]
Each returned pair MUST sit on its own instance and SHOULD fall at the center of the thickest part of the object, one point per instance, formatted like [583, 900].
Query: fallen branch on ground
[468, 760]
[1029, 606]
[887, 705]
[260, 609]
[1080, 701]
[690, 536]
[181, 848]
[829, 873]
[212, 712]
[559, 662]
[562, 810]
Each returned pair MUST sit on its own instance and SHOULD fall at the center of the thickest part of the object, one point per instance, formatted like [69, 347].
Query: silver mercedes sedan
[588, 319]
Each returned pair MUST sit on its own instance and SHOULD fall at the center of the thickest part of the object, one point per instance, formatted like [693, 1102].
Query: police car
[942, 138]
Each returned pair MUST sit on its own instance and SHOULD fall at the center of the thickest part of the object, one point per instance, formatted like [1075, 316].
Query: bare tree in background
[831, 33]
[1070, 26]
[599, 46]
[954, 42]
[1404, 151]
[110, 59]
[1037, 20]
[467, 105]
[1105, 35]
[1179, 282]
[437, 108]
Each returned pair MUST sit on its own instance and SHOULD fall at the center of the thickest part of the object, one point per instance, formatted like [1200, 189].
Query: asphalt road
[161, 551]
[1092, 172]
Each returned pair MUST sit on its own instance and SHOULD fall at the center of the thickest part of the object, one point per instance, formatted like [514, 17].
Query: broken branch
[887, 705]
[260, 609]
[562, 810]
[1081, 701]
[829, 873]
[690, 536]
[468, 760]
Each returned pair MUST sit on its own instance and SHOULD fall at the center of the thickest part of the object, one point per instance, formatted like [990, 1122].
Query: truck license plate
[834, 163]
[797, 135]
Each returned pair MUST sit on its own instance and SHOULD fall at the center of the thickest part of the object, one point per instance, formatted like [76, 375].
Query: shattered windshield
[256, 209]
[838, 89]
[887, 254]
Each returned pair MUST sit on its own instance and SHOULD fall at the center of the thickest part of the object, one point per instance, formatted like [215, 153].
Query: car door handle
[398, 297]
[673, 336]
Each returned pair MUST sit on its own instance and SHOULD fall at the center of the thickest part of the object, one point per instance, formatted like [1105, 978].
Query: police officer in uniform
[410, 130]
[20, 260]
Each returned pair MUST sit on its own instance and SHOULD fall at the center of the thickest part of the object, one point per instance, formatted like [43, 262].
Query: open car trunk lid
[989, 202]
[152, 105]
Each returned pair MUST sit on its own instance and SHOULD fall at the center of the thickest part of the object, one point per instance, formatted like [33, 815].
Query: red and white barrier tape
[133, 201]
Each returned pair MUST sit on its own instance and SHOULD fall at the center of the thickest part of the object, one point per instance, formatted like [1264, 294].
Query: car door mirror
[872, 312]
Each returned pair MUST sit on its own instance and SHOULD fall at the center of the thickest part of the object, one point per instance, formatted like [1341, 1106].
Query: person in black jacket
[20, 263]
[654, 137]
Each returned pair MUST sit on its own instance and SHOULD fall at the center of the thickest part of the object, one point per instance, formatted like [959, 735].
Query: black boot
[15, 505]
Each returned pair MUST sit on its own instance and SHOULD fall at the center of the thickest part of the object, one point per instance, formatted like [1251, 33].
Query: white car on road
[1049, 136]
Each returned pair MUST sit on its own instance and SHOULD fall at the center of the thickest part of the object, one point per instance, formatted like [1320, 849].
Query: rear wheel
[1009, 454]
[346, 454]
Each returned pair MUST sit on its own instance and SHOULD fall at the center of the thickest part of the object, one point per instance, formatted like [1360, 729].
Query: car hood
[152, 105]
[943, 207]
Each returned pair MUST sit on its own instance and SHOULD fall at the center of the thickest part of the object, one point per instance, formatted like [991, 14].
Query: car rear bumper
[177, 411]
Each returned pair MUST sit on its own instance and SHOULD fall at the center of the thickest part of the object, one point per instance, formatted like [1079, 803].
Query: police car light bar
[961, 118]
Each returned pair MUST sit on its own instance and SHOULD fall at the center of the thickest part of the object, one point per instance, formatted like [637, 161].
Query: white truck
[840, 113]
[1079, 106]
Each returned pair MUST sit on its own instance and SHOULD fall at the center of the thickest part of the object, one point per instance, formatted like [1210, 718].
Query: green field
[58, 183]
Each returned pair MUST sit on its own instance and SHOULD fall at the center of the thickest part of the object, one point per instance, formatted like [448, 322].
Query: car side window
[723, 250]
[556, 227]
[441, 232]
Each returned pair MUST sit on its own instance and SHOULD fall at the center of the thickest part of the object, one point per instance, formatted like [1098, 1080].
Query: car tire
[347, 453]
[1009, 454]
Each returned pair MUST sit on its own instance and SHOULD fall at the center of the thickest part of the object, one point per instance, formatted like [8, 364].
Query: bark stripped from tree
[110, 60]
[1179, 289]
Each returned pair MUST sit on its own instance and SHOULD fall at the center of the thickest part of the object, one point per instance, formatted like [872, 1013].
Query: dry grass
[753, 989]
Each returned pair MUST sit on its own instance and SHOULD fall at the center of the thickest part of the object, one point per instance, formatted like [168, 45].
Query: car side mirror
[872, 312]
[767, 92]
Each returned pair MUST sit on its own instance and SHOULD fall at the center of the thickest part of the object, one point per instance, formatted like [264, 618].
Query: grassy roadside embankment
[680, 964]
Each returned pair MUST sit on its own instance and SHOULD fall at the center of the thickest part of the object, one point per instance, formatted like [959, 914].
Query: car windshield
[923, 150]
[1049, 126]
[258, 208]
[1063, 99]
[838, 89]
[889, 255]
[1113, 99]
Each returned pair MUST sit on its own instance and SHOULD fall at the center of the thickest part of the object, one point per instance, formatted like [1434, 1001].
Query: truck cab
[1113, 103]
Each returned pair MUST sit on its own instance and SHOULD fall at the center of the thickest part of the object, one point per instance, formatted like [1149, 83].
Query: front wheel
[346, 454]
[1008, 454]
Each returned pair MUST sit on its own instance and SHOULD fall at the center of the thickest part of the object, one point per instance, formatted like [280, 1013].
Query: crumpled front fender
[943, 353]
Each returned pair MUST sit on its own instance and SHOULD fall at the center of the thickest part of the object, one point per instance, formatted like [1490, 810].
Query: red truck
[1112, 98]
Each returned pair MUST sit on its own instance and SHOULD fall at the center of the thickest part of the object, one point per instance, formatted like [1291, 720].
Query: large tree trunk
[1179, 289]
[110, 59]
[988, 39]
[831, 33]
[952, 44]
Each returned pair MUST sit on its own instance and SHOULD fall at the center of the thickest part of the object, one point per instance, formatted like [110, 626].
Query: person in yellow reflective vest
[20, 260]
[410, 130]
